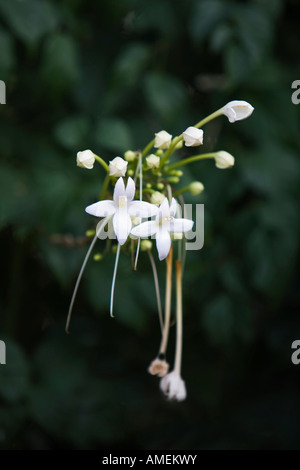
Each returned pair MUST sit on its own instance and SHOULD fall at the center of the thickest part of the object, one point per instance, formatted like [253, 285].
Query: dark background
[106, 75]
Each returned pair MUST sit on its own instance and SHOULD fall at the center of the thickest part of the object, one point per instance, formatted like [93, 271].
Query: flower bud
[146, 245]
[136, 220]
[117, 167]
[157, 198]
[98, 257]
[85, 159]
[196, 188]
[173, 179]
[130, 156]
[153, 161]
[224, 159]
[237, 110]
[130, 172]
[160, 186]
[162, 140]
[90, 233]
[193, 137]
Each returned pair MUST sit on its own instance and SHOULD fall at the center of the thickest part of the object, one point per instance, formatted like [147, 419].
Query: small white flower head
[193, 137]
[130, 156]
[162, 140]
[85, 159]
[158, 367]
[224, 160]
[135, 221]
[173, 386]
[196, 188]
[117, 167]
[157, 198]
[237, 110]
[122, 208]
[164, 224]
[153, 161]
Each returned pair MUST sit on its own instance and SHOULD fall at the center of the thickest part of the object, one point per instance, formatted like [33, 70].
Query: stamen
[178, 352]
[156, 283]
[104, 222]
[164, 341]
[141, 198]
[114, 281]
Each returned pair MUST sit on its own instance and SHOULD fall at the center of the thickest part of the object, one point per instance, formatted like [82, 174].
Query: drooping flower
[162, 140]
[122, 207]
[153, 161]
[193, 137]
[85, 159]
[223, 160]
[158, 367]
[237, 110]
[164, 223]
[117, 167]
[173, 386]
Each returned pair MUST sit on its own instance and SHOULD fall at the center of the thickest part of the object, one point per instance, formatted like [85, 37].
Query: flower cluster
[148, 204]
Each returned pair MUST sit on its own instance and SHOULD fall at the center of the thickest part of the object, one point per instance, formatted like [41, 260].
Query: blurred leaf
[30, 19]
[165, 94]
[60, 64]
[113, 134]
[7, 57]
[130, 64]
[218, 320]
[205, 16]
[71, 132]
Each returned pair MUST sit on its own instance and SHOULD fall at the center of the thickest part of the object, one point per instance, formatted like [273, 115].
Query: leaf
[30, 19]
[218, 320]
[205, 16]
[72, 131]
[165, 94]
[113, 134]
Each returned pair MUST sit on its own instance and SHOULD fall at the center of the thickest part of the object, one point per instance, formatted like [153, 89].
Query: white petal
[173, 207]
[122, 225]
[119, 190]
[181, 225]
[164, 210]
[163, 243]
[130, 189]
[101, 208]
[146, 229]
[142, 209]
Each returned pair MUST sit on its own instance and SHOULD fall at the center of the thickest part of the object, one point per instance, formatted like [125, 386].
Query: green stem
[102, 162]
[181, 191]
[104, 187]
[195, 158]
[175, 141]
[147, 148]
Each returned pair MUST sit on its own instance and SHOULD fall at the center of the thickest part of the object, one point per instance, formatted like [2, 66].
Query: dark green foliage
[106, 75]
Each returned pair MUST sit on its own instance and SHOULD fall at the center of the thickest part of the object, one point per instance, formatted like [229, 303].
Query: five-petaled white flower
[237, 110]
[193, 137]
[161, 227]
[117, 167]
[122, 208]
[173, 386]
[85, 159]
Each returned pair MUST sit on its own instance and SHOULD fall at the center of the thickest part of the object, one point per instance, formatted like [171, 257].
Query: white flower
[161, 227]
[117, 167]
[85, 159]
[158, 367]
[224, 159]
[173, 386]
[162, 140]
[237, 110]
[193, 137]
[122, 208]
[157, 198]
[196, 188]
[153, 161]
